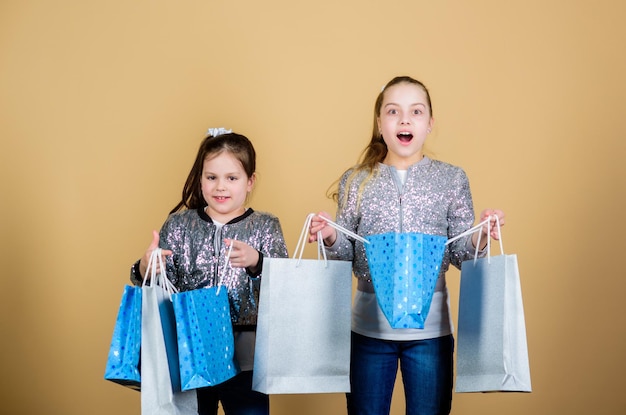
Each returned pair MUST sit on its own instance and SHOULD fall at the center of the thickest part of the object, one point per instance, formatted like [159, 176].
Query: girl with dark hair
[211, 219]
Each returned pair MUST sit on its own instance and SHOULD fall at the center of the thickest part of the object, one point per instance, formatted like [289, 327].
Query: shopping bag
[123, 360]
[206, 347]
[160, 381]
[492, 353]
[303, 327]
[404, 268]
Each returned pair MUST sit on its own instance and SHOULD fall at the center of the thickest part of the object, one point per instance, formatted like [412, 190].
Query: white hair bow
[218, 131]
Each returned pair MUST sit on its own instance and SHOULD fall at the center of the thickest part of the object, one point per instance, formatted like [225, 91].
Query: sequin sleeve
[435, 199]
[460, 218]
[272, 242]
[343, 248]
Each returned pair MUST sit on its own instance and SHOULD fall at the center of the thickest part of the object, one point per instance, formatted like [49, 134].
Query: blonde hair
[376, 150]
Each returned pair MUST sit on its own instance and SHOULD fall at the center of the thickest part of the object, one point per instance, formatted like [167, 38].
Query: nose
[405, 120]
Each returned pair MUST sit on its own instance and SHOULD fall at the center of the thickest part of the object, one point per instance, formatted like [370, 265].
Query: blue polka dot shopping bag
[123, 361]
[206, 344]
[404, 269]
[206, 350]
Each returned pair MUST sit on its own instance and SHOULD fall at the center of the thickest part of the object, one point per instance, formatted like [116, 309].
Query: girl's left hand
[492, 213]
[242, 255]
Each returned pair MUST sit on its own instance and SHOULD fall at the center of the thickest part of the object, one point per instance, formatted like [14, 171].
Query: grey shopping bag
[160, 380]
[303, 328]
[492, 353]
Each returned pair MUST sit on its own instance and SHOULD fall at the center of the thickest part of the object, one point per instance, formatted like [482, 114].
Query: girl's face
[404, 122]
[225, 187]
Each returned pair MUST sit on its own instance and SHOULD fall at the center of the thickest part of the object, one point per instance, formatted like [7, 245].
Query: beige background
[103, 105]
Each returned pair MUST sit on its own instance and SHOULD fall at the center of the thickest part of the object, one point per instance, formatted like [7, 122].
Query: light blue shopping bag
[404, 269]
[206, 347]
[123, 360]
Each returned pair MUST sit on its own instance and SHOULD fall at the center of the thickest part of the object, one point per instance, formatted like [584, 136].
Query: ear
[431, 123]
[251, 181]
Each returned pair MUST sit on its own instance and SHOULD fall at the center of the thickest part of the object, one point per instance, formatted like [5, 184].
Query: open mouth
[405, 137]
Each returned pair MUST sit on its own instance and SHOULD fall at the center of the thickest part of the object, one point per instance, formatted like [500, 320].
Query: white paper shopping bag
[303, 328]
[492, 352]
[160, 380]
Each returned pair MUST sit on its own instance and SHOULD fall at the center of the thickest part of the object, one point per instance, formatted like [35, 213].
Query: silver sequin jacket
[199, 254]
[435, 199]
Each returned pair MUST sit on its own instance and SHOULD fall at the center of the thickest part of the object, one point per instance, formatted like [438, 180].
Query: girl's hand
[143, 262]
[493, 228]
[329, 234]
[242, 255]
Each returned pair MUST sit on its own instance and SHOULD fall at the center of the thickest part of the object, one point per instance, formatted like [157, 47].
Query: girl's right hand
[329, 234]
[143, 262]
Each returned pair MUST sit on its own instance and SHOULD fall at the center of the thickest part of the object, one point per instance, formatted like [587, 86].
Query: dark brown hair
[236, 144]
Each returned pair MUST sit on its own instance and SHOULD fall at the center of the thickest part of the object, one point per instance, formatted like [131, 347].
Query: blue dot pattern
[206, 349]
[123, 361]
[404, 268]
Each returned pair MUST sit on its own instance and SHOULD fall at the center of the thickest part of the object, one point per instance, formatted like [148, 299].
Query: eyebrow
[225, 174]
[412, 105]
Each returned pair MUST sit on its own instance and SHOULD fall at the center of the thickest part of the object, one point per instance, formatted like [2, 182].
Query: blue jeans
[426, 367]
[236, 395]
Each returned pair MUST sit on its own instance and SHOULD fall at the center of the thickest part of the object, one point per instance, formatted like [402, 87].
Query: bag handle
[159, 279]
[225, 269]
[302, 240]
[320, 243]
[477, 228]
